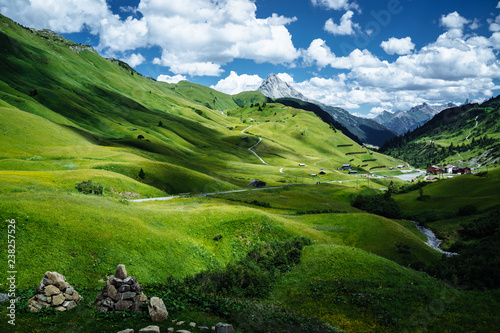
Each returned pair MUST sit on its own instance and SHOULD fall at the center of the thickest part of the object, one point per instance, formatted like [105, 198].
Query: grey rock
[136, 287]
[123, 305]
[108, 302]
[129, 280]
[117, 282]
[182, 331]
[58, 300]
[121, 272]
[170, 330]
[69, 305]
[157, 310]
[102, 309]
[112, 293]
[203, 328]
[123, 288]
[4, 298]
[128, 330]
[129, 295]
[192, 324]
[224, 328]
[150, 329]
[56, 279]
[61, 309]
[51, 290]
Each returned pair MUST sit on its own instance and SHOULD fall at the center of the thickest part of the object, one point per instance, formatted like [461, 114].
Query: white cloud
[398, 46]
[171, 79]
[346, 26]
[61, 16]
[285, 77]
[335, 4]
[197, 37]
[454, 23]
[234, 83]
[320, 54]
[495, 25]
[135, 59]
[498, 5]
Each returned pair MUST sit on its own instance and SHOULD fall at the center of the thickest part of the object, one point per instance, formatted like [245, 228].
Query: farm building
[346, 167]
[434, 169]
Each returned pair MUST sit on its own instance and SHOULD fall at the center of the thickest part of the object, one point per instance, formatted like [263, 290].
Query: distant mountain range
[365, 130]
[466, 134]
[404, 121]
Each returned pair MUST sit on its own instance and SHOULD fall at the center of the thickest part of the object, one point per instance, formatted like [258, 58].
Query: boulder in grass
[157, 310]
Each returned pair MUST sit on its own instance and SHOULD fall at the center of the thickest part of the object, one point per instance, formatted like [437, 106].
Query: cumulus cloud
[285, 77]
[197, 37]
[320, 54]
[454, 23]
[234, 83]
[61, 16]
[334, 4]
[346, 26]
[398, 46]
[451, 68]
[135, 59]
[171, 79]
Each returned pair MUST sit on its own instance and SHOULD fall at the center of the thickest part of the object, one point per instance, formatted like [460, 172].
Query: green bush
[89, 187]
[379, 204]
[253, 276]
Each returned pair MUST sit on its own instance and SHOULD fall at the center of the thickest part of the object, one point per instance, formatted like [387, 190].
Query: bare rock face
[54, 291]
[157, 310]
[121, 292]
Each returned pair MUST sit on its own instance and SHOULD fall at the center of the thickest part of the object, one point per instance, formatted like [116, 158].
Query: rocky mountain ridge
[366, 130]
[404, 121]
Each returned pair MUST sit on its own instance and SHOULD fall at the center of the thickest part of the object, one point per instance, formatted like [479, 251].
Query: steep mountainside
[366, 130]
[468, 134]
[404, 121]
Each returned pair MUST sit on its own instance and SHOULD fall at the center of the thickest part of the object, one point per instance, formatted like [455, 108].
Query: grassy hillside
[68, 115]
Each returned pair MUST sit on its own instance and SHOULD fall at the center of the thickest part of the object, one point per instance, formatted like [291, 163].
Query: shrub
[467, 210]
[379, 204]
[89, 187]
[140, 137]
[142, 175]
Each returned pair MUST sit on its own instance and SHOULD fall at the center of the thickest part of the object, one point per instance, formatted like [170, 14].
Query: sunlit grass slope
[451, 194]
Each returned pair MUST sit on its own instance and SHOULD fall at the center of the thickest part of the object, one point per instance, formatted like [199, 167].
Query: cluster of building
[449, 169]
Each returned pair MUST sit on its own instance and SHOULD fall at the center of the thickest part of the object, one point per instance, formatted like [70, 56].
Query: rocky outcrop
[54, 291]
[121, 292]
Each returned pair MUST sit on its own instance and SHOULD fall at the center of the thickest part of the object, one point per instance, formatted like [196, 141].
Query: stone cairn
[120, 293]
[54, 291]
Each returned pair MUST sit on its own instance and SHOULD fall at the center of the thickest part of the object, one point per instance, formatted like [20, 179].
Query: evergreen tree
[142, 175]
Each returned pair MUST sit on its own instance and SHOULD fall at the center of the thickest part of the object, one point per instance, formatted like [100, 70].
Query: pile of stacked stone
[54, 291]
[120, 293]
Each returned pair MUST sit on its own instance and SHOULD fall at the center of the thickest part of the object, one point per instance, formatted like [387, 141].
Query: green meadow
[68, 116]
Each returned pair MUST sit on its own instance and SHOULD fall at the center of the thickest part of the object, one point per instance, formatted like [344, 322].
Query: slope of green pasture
[84, 237]
[373, 234]
[451, 194]
[357, 291]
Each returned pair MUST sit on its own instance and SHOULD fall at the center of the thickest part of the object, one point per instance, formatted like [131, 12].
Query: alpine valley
[102, 166]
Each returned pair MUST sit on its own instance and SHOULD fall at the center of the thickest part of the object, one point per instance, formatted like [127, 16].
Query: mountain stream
[432, 240]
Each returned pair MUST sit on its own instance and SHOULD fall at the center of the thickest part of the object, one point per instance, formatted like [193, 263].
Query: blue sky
[364, 55]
